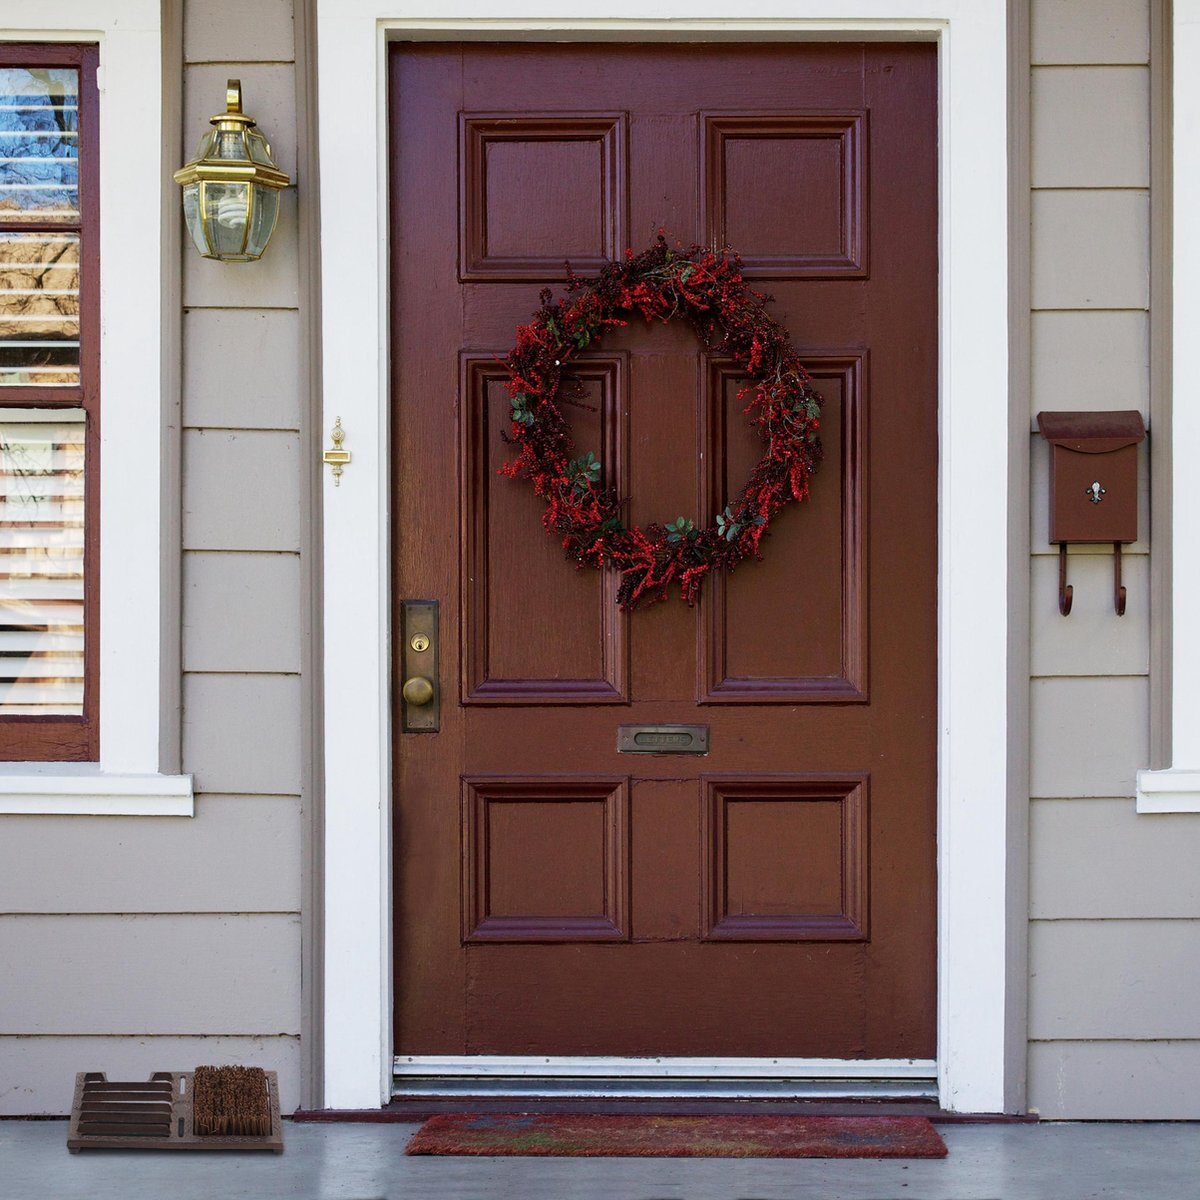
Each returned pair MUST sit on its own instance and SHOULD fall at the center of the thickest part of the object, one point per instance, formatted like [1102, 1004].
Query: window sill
[66, 789]
[1170, 791]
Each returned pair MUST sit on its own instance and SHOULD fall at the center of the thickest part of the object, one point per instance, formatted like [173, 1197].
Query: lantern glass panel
[229, 145]
[226, 212]
[262, 222]
[191, 215]
[259, 148]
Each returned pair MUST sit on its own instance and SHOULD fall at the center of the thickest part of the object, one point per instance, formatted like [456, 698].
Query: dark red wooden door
[777, 896]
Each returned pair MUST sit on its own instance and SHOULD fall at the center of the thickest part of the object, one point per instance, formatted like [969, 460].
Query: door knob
[417, 691]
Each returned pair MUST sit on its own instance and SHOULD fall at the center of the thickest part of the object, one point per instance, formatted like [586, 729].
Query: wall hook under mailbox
[1093, 487]
[1066, 591]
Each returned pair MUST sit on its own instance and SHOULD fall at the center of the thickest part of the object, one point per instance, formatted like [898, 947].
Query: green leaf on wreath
[679, 529]
[584, 472]
[727, 525]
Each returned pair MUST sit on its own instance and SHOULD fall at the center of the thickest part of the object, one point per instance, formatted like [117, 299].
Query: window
[49, 403]
[121, 754]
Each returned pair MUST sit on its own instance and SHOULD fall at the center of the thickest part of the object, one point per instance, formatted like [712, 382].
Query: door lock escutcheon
[420, 693]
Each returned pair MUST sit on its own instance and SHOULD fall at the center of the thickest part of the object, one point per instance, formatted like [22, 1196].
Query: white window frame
[1176, 789]
[973, 729]
[129, 778]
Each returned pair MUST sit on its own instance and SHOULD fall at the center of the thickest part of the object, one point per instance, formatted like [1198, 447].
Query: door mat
[211, 1108]
[568, 1136]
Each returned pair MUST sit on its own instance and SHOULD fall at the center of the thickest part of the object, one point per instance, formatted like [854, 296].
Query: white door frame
[973, 979]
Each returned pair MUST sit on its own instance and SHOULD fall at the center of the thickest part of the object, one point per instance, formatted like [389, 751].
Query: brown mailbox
[1093, 486]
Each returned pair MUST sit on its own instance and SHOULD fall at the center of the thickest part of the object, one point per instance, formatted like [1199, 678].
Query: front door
[776, 895]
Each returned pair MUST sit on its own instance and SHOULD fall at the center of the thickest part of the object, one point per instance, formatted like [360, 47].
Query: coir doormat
[569, 1136]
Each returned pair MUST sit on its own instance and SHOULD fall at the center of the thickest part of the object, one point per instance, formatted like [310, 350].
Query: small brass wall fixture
[336, 457]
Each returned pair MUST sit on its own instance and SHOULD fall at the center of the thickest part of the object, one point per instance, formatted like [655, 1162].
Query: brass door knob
[417, 691]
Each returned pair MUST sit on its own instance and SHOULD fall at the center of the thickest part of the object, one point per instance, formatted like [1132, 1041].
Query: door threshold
[425, 1077]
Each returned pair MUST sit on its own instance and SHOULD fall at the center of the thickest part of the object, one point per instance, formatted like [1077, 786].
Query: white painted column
[1177, 789]
[357, 1006]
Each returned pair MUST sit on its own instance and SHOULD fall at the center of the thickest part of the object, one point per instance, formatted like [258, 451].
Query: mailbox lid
[1092, 432]
[1091, 450]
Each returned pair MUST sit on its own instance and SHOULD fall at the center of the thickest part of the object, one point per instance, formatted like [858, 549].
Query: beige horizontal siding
[260, 592]
[1091, 641]
[241, 491]
[1107, 979]
[1089, 127]
[1088, 737]
[241, 369]
[215, 30]
[1091, 31]
[1116, 1080]
[1091, 249]
[1091, 360]
[139, 944]
[242, 734]
[171, 974]
[1114, 901]
[37, 1074]
[238, 854]
[1101, 859]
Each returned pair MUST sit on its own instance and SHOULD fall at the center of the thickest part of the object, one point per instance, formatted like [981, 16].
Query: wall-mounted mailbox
[1093, 486]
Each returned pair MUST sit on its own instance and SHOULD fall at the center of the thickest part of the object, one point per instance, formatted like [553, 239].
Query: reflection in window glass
[39, 308]
[39, 144]
[41, 562]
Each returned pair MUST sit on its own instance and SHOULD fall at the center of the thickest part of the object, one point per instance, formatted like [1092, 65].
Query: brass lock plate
[419, 663]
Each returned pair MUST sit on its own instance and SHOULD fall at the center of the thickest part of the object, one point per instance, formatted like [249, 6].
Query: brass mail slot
[662, 739]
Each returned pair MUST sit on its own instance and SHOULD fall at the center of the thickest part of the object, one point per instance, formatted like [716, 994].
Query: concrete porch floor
[367, 1162]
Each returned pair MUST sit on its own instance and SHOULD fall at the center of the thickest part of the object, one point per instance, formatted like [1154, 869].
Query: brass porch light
[231, 188]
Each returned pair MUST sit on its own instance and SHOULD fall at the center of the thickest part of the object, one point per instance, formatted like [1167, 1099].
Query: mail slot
[662, 739]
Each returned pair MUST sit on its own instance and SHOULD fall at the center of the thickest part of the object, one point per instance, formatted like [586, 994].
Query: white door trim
[973, 483]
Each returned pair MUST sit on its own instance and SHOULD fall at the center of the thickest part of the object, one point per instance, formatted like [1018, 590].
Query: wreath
[707, 289]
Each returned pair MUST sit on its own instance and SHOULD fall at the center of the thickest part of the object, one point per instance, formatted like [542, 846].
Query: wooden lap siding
[1114, 904]
[201, 917]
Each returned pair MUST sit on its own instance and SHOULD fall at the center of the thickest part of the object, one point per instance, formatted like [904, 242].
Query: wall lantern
[231, 188]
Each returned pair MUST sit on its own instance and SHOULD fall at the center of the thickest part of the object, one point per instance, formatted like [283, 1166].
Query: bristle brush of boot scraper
[231, 1100]
[211, 1108]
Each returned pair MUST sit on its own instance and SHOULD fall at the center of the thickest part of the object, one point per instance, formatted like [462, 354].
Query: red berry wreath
[707, 290]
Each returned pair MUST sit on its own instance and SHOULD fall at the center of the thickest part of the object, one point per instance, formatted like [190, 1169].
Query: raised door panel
[812, 577]
[534, 631]
[785, 858]
[545, 859]
[570, 168]
[789, 190]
